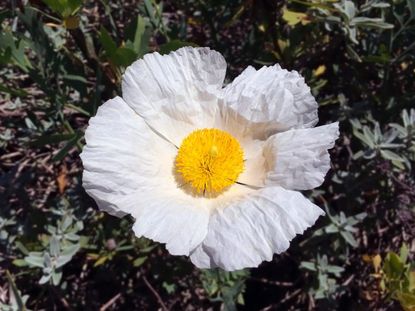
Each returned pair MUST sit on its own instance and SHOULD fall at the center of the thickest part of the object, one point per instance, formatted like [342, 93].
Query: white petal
[298, 159]
[201, 258]
[178, 92]
[254, 169]
[179, 222]
[117, 158]
[128, 170]
[249, 230]
[273, 98]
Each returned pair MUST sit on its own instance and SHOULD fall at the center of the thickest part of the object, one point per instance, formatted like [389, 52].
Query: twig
[151, 288]
[273, 306]
[295, 293]
[110, 302]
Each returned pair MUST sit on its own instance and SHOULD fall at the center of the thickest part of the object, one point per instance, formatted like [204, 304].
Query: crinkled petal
[128, 169]
[177, 221]
[249, 230]
[272, 98]
[178, 91]
[299, 159]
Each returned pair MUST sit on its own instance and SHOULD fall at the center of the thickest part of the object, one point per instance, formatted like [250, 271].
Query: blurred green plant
[17, 301]
[324, 272]
[67, 9]
[225, 287]
[397, 277]
[342, 226]
[399, 138]
[57, 248]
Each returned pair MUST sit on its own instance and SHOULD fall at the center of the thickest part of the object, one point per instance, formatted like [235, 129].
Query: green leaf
[109, 45]
[74, 5]
[370, 23]
[64, 8]
[353, 54]
[14, 50]
[101, 261]
[411, 7]
[56, 277]
[44, 279]
[70, 250]
[11, 91]
[349, 9]
[407, 300]
[20, 263]
[58, 6]
[308, 265]
[390, 155]
[349, 238]
[404, 252]
[52, 139]
[54, 246]
[75, 78]
[139, 36]
[68, 147]
[139, 261]
[293, 18]
[124, 57]
[150, 11]
[336, 270]
[20, 304]
[35, 261]
[381, 5]
[393, 266]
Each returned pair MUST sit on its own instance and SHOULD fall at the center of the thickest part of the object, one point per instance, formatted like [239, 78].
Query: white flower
[209, 171]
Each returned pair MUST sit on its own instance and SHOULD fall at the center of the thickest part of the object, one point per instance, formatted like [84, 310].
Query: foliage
[60, 60]
[397, 277]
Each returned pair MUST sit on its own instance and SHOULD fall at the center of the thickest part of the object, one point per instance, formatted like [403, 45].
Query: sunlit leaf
[293, 18]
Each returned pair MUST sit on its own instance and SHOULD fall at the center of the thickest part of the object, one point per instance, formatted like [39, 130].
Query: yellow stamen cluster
[209, 160]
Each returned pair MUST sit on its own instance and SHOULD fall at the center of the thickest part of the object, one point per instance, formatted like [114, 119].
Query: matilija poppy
[212, 172]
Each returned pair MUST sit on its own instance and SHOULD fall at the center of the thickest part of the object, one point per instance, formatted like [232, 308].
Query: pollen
[209, 161]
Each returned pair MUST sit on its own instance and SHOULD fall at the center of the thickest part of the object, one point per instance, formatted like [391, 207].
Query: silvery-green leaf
[62, 260]
[390, 155]
[44, 279]
[353, 54]
[350, 9]
[349, 238]
[370, 22]
[367, 140]
[56, 277]
[308, 265]
[54, 246]
[70, 250]
[67, 221]
[336, 270]
[47, 260]
[72, 236]
[331, 228]
[381, 5]
[411, 6]
[35, 261]
[352, 31]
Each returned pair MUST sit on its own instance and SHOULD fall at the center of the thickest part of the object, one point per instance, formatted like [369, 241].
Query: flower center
[209, 160]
